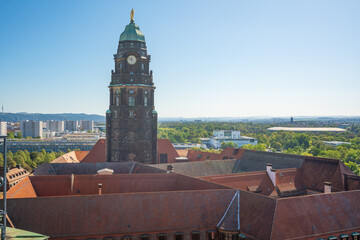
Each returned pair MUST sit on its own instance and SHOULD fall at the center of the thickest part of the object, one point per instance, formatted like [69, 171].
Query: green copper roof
[108, 111]
[15, 233]
[132, 33]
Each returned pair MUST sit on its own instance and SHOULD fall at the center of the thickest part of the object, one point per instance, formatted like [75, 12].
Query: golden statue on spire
[132, 15]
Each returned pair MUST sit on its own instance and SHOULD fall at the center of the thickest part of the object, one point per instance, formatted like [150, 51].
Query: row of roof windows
[351, 236]
[17, 174]
[194, 235]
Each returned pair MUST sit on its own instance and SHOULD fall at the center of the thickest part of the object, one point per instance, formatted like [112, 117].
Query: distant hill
[16, 117]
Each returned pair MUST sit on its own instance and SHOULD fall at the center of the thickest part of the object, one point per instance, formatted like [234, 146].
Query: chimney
[327, 187]
[100, 185]
[271, 172]
[72, 182]
[170, 168]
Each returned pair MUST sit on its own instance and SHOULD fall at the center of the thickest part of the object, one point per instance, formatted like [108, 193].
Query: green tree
[10, 135]
[19, 135]
[228, 144]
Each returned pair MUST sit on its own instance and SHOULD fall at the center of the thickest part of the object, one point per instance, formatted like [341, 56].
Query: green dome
[132, 33]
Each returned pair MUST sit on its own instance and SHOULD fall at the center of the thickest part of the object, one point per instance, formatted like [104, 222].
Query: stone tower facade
[131, 121]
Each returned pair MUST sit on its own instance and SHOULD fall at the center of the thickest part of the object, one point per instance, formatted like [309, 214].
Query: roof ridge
[272, 224]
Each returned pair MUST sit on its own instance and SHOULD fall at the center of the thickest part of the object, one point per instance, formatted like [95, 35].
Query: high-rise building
[31, 128]
[3, 128]
[55, 126]
[87, 125]
[131, 121]
[71, 126]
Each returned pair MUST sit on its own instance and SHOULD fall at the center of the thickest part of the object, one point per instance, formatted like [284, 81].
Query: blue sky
[210, 58]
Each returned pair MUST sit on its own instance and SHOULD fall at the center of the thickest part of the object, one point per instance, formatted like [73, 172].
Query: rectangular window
[163, 158]
[178, 236]
[162, 236]
[145, 237]
[117, 101]
[120, 66]
[131, 101]
[142, 66]
[195, 235]
[211, 235]
[145, 101]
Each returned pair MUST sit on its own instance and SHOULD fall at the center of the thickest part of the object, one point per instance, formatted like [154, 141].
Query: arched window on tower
[131, 101]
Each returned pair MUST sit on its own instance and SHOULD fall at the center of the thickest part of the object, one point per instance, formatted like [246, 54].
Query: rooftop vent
[271, 172]
[170, 168]
[327, 187]
[105, 171]
[100, 185]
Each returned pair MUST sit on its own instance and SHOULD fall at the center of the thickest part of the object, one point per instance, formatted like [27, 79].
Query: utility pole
[4, 183]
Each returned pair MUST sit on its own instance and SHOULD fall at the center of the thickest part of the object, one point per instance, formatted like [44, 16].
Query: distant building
[307, 129]
[55, 126]
[3, 128]
[292, 120]
[86, 125]
[31, 129]
[335, 143]
[227, 136]
[71, 126]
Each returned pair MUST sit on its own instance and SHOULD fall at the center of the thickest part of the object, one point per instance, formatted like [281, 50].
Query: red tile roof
[97, 153]
[245, 181]
[166, 147]
[23, 189]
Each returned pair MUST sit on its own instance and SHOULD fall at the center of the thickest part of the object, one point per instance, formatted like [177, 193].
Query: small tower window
[131, 114]
[131, 91]
[120, 66]
[131, 73]
[142, 66]
[131, 45]
[145, 92]
[131, 101]
[115, 113]
[145, 101]
[117, 101]
[131, 80]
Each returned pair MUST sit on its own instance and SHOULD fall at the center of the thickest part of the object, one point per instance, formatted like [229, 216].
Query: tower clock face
[131, 59]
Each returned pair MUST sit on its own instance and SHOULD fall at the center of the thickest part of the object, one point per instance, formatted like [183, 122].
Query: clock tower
[131, 121]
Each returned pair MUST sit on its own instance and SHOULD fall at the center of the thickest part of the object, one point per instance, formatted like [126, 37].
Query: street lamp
[4, 183]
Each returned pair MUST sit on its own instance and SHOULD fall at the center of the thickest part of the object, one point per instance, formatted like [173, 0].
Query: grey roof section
[256, 161]
[250, 161]
[201, 168]
[231, 219]
[92, 168]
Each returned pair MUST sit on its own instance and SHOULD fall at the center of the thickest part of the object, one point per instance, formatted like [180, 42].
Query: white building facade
[31, 128]
[3, 128]
[228, 136]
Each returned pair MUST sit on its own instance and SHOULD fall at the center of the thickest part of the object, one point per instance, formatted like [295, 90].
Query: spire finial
[132, 15]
